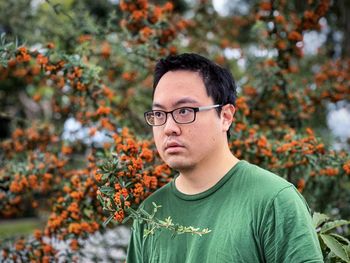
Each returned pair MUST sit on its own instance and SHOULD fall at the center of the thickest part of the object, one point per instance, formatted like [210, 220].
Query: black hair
[218, 81]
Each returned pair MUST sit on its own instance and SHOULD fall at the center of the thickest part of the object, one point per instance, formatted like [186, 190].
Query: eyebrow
[185, 100]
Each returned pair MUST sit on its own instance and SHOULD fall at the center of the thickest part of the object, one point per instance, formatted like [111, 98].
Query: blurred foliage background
[76, 77]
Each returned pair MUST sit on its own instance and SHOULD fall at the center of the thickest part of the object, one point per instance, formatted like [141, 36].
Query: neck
[202, 177]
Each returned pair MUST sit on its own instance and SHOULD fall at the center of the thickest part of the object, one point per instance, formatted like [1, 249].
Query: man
[253, 215]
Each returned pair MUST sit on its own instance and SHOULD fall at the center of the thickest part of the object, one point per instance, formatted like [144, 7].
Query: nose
[170, 126]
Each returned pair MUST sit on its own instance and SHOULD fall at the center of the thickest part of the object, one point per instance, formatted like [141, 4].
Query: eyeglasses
[181, 115]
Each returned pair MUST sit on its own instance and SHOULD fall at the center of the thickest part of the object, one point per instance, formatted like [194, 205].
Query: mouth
[173, 147]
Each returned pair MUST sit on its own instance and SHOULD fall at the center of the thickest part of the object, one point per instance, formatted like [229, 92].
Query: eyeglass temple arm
[208, 107]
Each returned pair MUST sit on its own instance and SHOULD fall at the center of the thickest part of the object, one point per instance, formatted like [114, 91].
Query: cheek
[209, 133]
[158, 140]
[197, 135]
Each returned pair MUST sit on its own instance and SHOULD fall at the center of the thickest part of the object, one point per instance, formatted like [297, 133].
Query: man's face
[185, 146]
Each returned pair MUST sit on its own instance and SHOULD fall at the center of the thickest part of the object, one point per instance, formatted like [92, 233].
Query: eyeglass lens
[181, 115]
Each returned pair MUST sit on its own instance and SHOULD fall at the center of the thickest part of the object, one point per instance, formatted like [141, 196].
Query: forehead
[180, 86]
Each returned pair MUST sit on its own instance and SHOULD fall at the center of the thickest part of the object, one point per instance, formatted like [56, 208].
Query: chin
[179, 165]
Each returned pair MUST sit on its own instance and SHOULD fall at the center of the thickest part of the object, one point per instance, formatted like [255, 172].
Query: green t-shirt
[253, 215]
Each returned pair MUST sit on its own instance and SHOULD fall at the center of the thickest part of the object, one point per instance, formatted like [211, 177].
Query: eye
[158, 114]
[184, 111]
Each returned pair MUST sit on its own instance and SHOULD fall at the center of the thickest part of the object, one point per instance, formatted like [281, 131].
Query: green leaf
[114, 205]
[107, 190]
[132, 212]
[347, 249]
[105, 223]
[335, 246]
[88, 212]
[122, 200]
[112, 180]
[126, 219]
[341, 238]
[156, 206]
[318, 219]
[144, 212]
[105, 176]
[128, 184]
[331, 225]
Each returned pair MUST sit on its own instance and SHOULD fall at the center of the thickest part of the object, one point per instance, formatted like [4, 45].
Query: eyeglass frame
[195, 110]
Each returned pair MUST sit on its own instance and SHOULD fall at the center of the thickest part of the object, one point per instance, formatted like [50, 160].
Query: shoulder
[259, 178]
[267, 186]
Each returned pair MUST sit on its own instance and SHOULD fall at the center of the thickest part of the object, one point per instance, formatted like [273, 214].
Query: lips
[173, 146]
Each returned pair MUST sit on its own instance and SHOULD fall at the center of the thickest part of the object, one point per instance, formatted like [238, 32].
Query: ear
[227, 113]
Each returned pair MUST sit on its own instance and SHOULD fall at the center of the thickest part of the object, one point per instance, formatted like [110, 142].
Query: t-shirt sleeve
[134, 254]
[288, 232]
